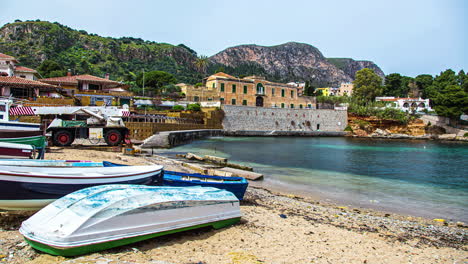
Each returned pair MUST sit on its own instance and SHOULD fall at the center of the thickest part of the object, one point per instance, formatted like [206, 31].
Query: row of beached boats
[94, 206]
[91, 206]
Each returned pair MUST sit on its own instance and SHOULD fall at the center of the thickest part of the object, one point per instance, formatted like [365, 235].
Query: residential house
[92, 90]
[21, 82]
[407, 104]
[345, 89]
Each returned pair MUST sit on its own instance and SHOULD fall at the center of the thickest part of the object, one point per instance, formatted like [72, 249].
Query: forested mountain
[34, 42]
[53, 48]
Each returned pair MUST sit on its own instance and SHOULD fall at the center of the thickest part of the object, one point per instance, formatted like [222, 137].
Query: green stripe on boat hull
[75, 251]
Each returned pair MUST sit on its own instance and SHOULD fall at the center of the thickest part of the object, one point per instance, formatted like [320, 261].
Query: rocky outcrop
[292, 61]
[350, 66]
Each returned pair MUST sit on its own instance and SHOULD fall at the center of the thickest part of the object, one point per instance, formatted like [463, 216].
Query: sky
[410, 37]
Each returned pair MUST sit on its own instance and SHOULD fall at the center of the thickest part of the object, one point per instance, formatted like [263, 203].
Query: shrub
[194, 107]
[178, 108]
[348, 128]
[465, 135]
[362, 124]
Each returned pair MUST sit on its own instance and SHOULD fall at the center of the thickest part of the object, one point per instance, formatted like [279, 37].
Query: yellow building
[254, 91]
[325, 91]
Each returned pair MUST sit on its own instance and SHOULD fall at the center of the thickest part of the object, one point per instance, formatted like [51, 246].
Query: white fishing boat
[33, 187]
[107, 216]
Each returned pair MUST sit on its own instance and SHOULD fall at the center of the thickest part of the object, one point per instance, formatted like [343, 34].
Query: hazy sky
[405, 36]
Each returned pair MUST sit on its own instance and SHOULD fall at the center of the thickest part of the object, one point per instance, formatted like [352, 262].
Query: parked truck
[71, 122]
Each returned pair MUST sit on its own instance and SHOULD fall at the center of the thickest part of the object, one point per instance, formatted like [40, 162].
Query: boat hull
[20, 191]
[76, 251]
[238, 187]
[107, 216]
[21, 126]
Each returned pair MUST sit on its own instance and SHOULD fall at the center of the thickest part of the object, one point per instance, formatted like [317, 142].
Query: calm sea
[422, 178]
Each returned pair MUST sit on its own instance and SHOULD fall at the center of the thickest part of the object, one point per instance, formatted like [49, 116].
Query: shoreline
[348, 199]
[275, 228]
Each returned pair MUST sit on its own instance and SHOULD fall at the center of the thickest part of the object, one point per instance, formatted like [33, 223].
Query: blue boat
[236, 185]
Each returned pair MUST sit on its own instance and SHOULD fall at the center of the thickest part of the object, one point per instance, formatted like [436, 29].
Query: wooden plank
[242, 173]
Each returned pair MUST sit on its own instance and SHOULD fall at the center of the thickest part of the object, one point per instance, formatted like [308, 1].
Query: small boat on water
[33, 187]
[107, 216]
[236, 185]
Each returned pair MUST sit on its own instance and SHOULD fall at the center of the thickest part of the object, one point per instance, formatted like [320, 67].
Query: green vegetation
[448, 91]
[178, 108]
[465, 135]
[154, 81]
[194, 107]
[348, 128]
[84, 53]
[367, 85]
[309, 89]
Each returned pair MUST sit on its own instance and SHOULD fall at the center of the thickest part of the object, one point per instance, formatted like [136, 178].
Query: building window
[309, 106]
[282, 105]
[233, 88]
[210, 99]
[260, 89]
[282, 92]
[292, 105]
[245, 89]
[244, 102]
[221, 100]
[300, 106]
[222, 87]
[94, 87]
[196, 98]
[233, 101]
[23, 76]
[213, 85]
[272, 91]
[292, 94]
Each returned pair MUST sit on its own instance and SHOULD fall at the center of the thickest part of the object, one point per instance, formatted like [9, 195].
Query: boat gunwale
[5, 173]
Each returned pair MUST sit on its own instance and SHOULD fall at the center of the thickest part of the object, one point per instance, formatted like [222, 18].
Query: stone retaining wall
[243, 118]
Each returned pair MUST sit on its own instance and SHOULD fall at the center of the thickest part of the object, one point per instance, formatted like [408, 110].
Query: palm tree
[202, 63]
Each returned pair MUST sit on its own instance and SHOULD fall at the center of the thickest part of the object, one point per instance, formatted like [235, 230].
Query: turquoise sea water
[423, 178]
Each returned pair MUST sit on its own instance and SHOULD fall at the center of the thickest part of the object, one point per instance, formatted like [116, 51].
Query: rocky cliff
[292, 61]
[350, 66]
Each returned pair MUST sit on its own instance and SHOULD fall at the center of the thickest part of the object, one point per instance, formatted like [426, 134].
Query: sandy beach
[275, 228]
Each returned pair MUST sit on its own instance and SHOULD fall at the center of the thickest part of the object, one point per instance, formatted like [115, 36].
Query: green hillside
[33, 42]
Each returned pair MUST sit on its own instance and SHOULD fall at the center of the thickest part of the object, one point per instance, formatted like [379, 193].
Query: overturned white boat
[107, 216]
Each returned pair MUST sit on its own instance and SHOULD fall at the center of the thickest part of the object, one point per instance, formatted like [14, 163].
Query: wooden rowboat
[236, 185]
[108, 216]
[33, 187]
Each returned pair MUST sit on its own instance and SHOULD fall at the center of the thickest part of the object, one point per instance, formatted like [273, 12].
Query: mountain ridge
[33, 42]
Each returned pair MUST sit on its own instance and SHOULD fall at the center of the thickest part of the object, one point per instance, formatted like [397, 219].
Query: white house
[407, 104]
[9, 67]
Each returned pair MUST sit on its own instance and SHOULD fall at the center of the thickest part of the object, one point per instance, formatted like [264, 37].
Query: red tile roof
[22, 82]
[396, 99]
[7, 57]
[222, 74]
[4, 56]
[24, 69]
[75, 78]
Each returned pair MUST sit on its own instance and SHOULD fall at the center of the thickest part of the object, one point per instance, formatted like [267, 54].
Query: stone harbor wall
[244, 118]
